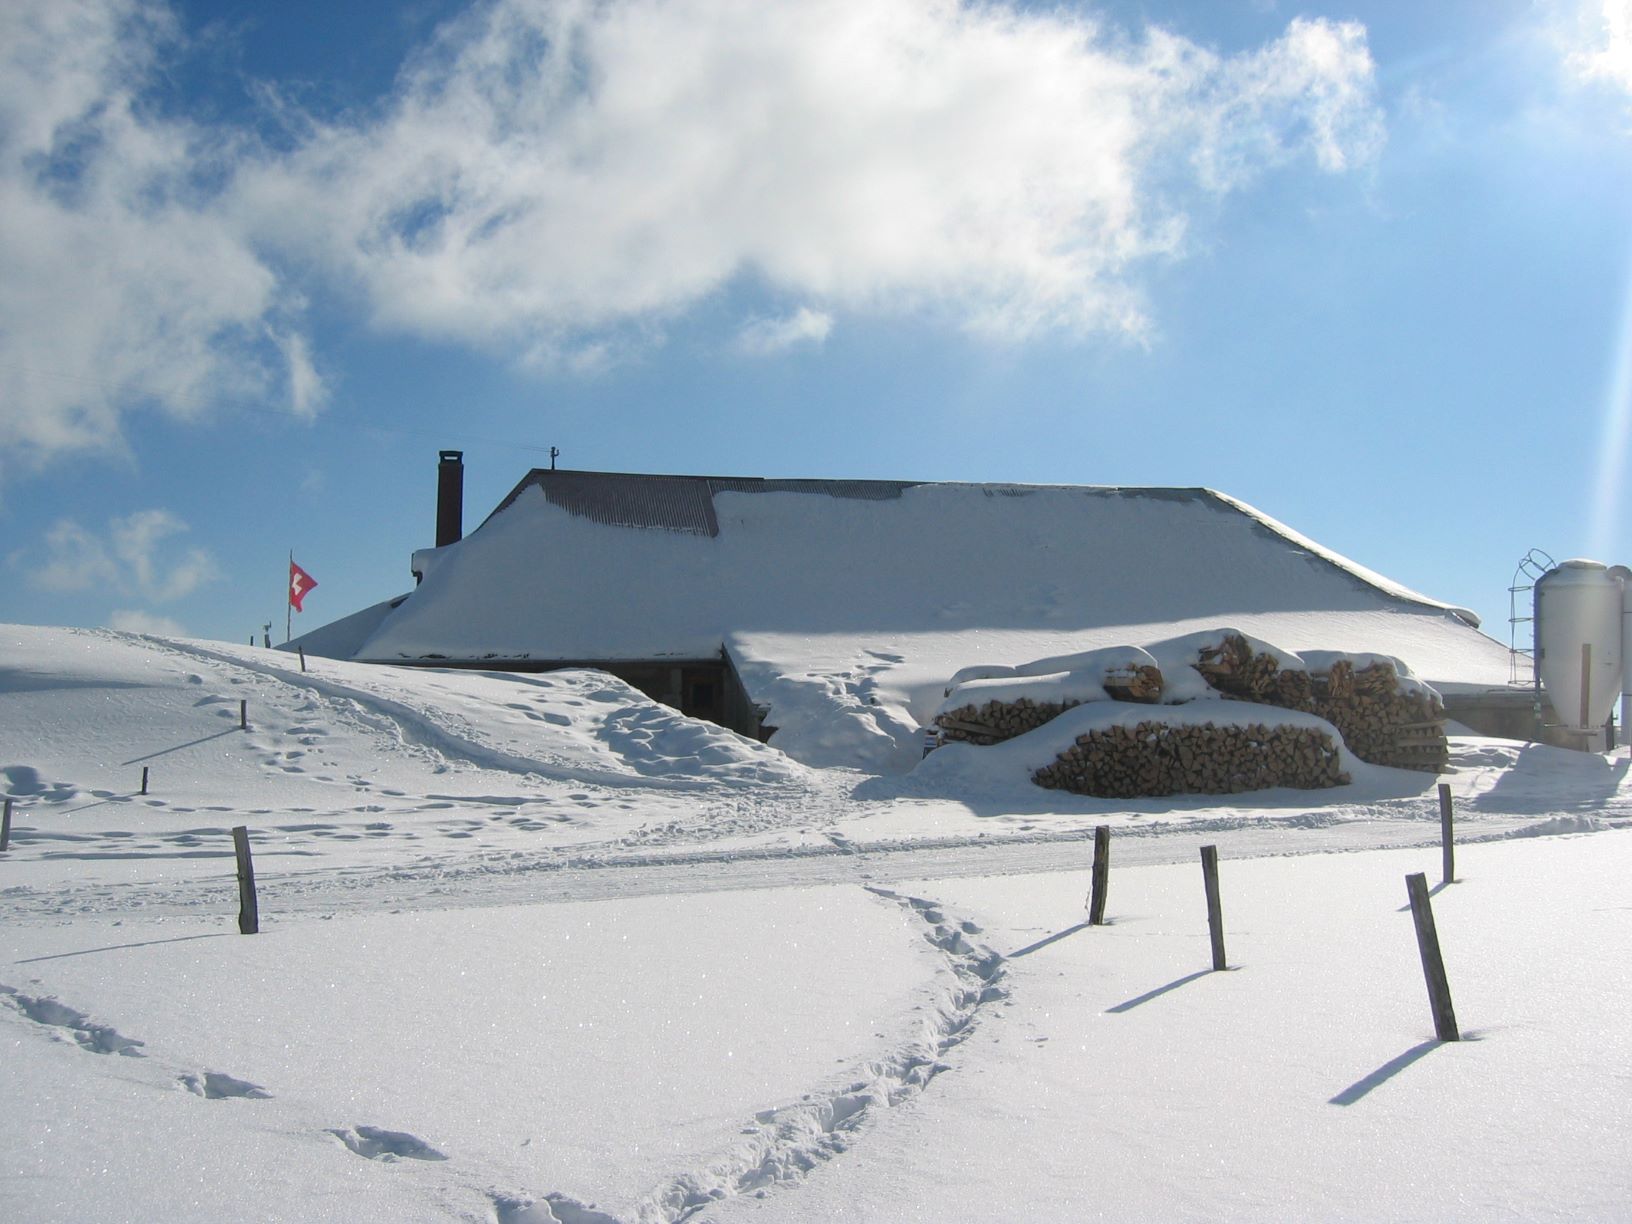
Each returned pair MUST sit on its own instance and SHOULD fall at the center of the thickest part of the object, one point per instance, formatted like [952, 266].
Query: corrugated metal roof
[668, 503]
[864, 490]
[686, 503]
[676, 503]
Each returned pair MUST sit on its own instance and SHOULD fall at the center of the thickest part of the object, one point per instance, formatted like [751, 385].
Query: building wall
[1513, 714]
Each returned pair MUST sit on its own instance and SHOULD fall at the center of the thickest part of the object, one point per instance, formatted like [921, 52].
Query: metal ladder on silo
[1531, 567]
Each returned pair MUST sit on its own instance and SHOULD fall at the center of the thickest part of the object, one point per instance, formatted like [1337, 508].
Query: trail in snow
[780, 1147]
[512, 878]
[629, 727]
[373, 790]
[54, 1015]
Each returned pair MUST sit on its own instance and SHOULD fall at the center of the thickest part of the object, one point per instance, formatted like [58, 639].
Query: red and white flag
[300, 582]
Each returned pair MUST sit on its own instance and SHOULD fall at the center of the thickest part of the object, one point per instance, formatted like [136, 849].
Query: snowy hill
[532, 943]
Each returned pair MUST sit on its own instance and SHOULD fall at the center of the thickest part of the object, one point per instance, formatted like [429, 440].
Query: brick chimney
[450, 497]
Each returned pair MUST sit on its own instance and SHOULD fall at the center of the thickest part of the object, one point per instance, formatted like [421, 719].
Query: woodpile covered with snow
[1234, 668]
[998, 720]
[1372, 703]
[987, 705]
[1385, 718]
[1155, 758]
[995, 721]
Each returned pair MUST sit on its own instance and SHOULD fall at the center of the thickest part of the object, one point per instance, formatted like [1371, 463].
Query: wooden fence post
[1215, 913]
[5, 827]
[144, 779]
[302, 650]
[1446, 841]
[243, 714]
[1433, 965]
[249, 910]
[1102, 875]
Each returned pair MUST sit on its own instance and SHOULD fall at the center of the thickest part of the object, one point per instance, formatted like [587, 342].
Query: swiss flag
[300, 582]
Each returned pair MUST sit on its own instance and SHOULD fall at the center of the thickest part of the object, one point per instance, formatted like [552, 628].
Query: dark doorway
[701, 693]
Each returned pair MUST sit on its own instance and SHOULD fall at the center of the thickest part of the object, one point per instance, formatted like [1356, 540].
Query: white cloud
[129, 558]
[549, 172]
[79, 561]
[1309, 91]
[1608, 57]
[556, 181]
[307, 390]
[132, 620]
[124, 281]
[764, 336]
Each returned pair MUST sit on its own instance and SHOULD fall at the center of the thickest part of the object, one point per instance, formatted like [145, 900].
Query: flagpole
[288, 603]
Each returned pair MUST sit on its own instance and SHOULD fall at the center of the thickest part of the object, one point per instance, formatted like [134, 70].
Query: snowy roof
[674, 503]
[865, 596]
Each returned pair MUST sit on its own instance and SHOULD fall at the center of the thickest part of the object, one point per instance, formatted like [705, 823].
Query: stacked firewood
[1156, 758]
[1380, 720]
[996, 721]
[1234, 669]
[1137, 682]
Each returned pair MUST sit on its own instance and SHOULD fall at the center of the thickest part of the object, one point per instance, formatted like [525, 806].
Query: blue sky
[1365, 266]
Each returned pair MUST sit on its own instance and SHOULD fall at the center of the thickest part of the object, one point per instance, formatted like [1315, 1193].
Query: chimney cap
[451, 456]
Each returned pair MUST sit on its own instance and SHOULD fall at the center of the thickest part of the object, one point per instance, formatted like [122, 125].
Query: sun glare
[1606, 536]
[1609, 56]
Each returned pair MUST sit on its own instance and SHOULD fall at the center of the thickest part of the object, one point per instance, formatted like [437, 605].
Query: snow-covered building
[831, 613]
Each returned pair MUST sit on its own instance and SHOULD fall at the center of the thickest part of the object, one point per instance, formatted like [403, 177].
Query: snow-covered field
[535, 948]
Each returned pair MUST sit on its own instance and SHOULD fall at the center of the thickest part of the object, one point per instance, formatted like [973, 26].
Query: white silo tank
[1624, 575]
[1578, 644]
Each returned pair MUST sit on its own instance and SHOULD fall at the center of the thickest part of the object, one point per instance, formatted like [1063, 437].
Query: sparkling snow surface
[534, 943]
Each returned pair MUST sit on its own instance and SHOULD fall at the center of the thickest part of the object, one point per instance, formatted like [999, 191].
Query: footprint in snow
[214, 1086]
[552, 1209]
[97, 1038]
[374, 1143]
[24, 781]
